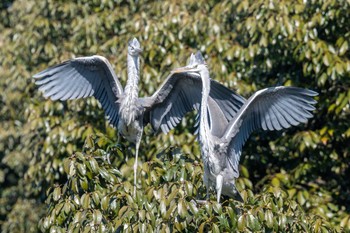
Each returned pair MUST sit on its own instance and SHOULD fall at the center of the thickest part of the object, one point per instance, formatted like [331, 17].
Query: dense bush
[53, 170]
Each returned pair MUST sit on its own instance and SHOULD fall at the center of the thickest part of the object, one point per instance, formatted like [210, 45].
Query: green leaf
[56, 193]
[193, 207]
[269, 218]
[201, 227]
[84, 184]
[217, 208]
[326, 59]
[94, 165]
[96, 198]
[142, 215]
[301, 198]
[105, 202]
[66, 208]
[122, 212]
[81, 169]
[72, 169]
[344, 221]
[182, 208]
[66, 165]
[339, 68]
[344, 48]
[97, 217]
[162, 207]
[85, 201]
[215, 228]
[275, 182]
[170, 210]
[241, 223]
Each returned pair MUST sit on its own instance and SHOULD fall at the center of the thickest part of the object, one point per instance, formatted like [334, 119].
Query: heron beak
[185, 69]
[139, 50]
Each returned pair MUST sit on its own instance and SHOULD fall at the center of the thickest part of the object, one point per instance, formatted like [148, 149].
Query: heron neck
[204, 121]
[131, 88]
[129, 106]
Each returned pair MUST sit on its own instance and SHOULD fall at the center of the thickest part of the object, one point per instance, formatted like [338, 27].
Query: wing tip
[311, 92]
[39, 75]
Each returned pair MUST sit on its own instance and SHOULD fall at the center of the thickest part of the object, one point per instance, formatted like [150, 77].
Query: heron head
[195, 65]
[134, 48]
[192, 60]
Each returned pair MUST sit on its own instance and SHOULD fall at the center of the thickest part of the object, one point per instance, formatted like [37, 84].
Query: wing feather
[279, 116]
[293, 110]
[80, 78]
[274, 119]
[269, 109]
[289, 117]
[262, 115]
[182, 93]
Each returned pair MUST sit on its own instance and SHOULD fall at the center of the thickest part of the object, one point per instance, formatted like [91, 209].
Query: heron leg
[207, 186]
[118, 139]
[206, 183]
[138, 141]
[202, 202]
[219, 182]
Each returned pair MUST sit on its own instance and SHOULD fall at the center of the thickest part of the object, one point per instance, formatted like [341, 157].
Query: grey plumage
[222, 140]
[94, 76]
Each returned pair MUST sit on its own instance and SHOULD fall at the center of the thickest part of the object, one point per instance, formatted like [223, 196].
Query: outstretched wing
[272, 108]
[182, 93]
[83, 77]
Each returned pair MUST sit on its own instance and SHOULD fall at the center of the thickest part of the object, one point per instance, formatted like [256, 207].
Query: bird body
[130, 131]
[213, 149]
[222, 139]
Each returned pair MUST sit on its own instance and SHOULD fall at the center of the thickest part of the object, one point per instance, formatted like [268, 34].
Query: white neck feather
[133, 76]
[204, 121]
[131, 93]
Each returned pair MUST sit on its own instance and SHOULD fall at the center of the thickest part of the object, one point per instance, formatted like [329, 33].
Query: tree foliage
[53, 170]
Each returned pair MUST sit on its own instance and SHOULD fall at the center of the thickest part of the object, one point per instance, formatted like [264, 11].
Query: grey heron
[94, 76]
[221, 140]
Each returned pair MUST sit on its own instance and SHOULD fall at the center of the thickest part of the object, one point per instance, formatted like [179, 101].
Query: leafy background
[53, 171]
